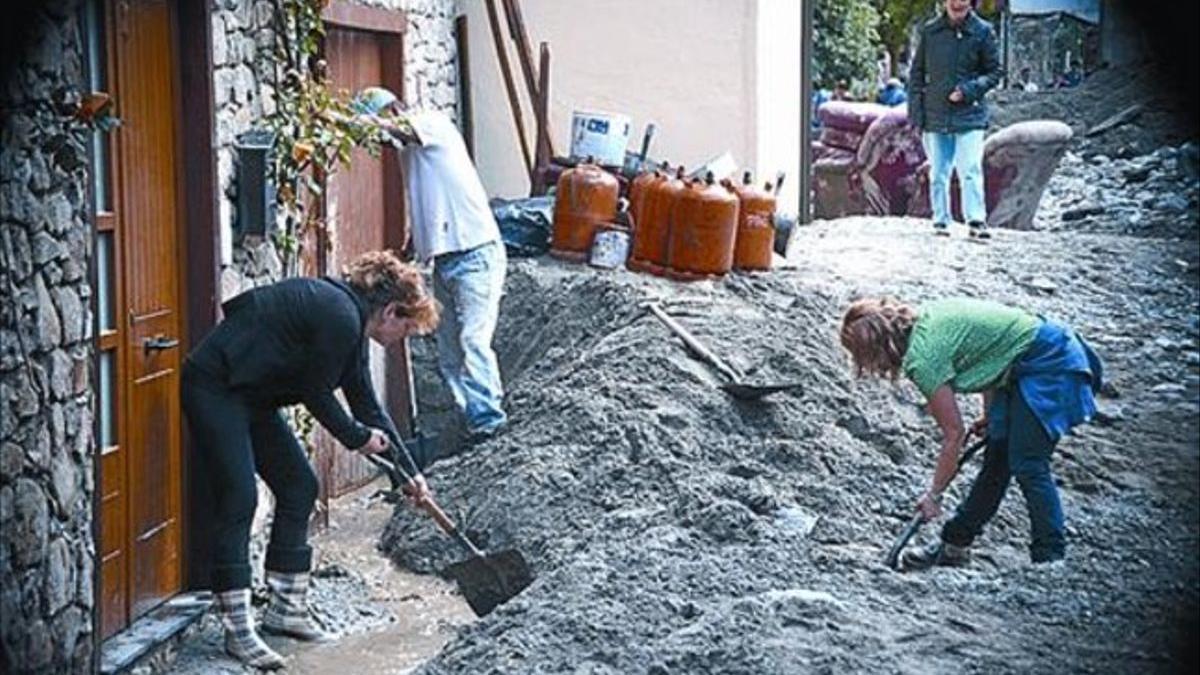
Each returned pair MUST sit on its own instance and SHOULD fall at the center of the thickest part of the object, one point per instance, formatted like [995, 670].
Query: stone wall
[46, 434]
[243, 81]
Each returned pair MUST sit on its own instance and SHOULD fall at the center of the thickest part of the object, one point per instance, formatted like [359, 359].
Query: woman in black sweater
[295, 341]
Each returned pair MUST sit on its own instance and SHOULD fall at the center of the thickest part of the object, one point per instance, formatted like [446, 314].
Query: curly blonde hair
[380, 278]
[875, 331]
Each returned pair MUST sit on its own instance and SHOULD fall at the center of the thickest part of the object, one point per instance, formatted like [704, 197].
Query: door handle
[159, 343]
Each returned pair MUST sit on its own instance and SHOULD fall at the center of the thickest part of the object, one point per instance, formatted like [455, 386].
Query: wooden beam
[462, 40]
[804, 180]
[398, 363]
[509, 86]
[202, 233]
[541, 107]
[520, 36]
[361, 17]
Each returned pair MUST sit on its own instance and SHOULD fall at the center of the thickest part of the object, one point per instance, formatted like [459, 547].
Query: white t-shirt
[447, 205]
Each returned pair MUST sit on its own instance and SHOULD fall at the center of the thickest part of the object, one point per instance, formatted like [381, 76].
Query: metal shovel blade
[752, 392]
[492, 579]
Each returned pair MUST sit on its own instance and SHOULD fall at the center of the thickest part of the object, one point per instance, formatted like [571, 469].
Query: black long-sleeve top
[298, 341]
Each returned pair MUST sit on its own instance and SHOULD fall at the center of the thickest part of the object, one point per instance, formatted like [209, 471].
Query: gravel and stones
[674, 529]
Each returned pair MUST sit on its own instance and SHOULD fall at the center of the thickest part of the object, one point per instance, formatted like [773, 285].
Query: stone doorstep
[152, 632]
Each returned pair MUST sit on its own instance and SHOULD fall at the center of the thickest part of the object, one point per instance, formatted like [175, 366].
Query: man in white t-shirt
[453, 226]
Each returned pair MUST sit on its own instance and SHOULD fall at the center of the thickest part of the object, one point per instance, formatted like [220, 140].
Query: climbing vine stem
[315, 128]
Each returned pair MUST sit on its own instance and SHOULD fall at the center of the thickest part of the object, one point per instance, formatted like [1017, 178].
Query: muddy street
[674, 529]
[389, 621]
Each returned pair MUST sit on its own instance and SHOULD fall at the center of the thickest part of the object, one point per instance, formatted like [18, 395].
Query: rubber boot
[241, 640]
[288, 612]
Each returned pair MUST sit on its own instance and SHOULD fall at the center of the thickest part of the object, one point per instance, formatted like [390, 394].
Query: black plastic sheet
[524, 224]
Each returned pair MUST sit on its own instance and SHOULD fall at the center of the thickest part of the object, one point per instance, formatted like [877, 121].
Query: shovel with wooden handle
[914, 525]
[734, 386]
[487, 580]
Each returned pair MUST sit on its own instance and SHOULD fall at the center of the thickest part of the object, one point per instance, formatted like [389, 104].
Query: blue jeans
[963, 153]
[468, 284]
[1024, 454]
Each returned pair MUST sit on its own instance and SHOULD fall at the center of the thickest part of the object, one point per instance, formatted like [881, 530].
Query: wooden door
[365, 211]
[141, 467]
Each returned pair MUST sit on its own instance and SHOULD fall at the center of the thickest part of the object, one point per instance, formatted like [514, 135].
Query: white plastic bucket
[601, 135]
[610, 248]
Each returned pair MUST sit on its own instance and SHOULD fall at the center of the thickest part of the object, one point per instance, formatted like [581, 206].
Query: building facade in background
[714, 76]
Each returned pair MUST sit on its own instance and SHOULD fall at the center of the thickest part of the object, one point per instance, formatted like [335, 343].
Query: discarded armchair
[865, 160]
[1017, 163]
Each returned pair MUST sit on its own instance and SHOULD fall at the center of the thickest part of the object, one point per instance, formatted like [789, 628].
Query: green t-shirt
[966, 343]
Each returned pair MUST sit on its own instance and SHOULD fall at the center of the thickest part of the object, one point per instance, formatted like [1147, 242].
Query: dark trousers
[237, 440]
[1025, 455]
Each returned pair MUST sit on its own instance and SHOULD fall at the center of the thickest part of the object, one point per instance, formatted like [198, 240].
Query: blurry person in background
[892, 93]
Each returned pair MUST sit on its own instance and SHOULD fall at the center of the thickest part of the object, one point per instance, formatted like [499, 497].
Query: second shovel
[734, 385]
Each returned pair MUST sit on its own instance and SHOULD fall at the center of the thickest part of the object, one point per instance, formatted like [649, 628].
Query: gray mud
[388, 621]
[1167, 116]
[1153, 195]
[676, 530]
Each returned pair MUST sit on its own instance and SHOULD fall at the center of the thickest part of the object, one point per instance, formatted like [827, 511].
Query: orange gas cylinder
[705, 226]
[756, 228]
[586, 196]
[652, 233]
[638, 191]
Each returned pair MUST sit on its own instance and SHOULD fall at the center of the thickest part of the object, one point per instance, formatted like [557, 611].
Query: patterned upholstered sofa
[864, 160]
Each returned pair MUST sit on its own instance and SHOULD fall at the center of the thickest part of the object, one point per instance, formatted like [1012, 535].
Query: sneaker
[941, 230]
[979, 230]
[935, 553]
[1047, 558]
[476, 436]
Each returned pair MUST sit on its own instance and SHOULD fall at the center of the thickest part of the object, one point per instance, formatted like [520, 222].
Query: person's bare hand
[418, 491]
[928, 506]
[956, 96]
[377, 444]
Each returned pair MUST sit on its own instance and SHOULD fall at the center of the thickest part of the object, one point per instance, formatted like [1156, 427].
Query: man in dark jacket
[295, 341]
[955, 65]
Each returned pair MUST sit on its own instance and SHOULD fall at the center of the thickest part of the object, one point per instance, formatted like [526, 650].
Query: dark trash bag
[524, 224]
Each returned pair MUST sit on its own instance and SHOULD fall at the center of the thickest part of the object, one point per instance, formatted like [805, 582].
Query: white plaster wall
[778, 97]
[687, 65]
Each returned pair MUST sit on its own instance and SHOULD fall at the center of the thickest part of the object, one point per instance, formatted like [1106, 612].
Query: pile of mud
[1166, 117]
[1154, 195]
[674, 529]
